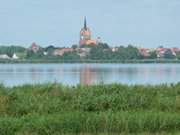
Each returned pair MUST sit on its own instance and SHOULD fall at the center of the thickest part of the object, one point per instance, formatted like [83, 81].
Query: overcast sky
[146, 23]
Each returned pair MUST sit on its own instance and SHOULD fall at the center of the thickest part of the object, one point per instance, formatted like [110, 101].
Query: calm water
[72, 74]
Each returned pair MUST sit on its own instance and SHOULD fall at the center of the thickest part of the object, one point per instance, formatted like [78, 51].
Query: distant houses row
[56, 51]
[161, 51]
[145, 52]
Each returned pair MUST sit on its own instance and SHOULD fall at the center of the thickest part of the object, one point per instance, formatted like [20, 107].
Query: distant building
[175, 51]
[34, 47]
[45, 53]
[145, 52]
[161, 51]
[15, 56]
[4, 56]
[114, 49]
[99, 41]
[60, 52]
[83, 52]
[85, 36]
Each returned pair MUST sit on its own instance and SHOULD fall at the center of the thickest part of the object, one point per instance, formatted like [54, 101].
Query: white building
[15, 56]
[4, 56]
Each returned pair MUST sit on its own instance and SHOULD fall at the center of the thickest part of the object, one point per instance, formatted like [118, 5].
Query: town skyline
[142, 23]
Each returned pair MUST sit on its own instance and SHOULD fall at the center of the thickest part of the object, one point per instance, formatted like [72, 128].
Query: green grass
[53, 109]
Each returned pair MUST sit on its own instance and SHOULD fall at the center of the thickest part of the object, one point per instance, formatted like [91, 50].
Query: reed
[52, 109]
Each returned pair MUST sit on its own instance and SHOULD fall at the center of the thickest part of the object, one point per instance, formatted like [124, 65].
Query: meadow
[114, 109]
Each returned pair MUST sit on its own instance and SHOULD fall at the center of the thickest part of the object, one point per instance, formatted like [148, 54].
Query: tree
[10, 50]
[74, 46]
[70, 56]
[103, 45]
[153, 55]
[126, 53]
[50, 49]
[168, 54]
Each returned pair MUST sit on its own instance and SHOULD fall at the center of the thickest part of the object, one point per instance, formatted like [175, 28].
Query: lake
[73, 74]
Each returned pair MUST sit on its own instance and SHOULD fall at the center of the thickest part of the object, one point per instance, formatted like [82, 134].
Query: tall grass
[102, 109]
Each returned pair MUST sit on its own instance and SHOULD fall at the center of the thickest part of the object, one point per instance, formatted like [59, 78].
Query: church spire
[85, 23]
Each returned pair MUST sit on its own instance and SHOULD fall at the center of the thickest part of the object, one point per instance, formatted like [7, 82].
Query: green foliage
[103, 52]
[10, 50]
[103, 45]
[153, 55]
[98, 53]
[129, 53]
[70, 56]
[123, 53]
[50, 49]
[178, 56]
[74, 46]
[109, 109]
[34, 55]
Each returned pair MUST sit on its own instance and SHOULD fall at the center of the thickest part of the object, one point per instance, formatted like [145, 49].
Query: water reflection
[88, 74]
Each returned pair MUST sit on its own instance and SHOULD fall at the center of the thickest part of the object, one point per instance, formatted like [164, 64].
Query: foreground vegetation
[53, 109]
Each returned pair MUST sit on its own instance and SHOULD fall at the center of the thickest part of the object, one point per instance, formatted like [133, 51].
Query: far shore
[92, 61]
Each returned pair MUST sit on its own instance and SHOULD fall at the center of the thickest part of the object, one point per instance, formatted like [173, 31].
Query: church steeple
[85, 23]
[85, 35]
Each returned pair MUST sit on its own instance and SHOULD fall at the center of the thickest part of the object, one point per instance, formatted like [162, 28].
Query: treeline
[86, 52]
[96, 52]
[103, 51]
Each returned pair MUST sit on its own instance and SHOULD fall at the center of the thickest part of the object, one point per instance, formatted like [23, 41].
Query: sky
[145, 23]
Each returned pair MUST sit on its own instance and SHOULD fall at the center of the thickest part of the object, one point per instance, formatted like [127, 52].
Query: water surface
[72, 74]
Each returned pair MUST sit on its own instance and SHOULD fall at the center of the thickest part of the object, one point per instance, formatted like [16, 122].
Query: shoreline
[145, 61]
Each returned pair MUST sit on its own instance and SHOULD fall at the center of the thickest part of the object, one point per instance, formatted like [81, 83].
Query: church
[85, 36]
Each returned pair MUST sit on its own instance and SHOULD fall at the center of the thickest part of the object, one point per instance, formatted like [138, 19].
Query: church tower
[85, 24]
[85, 35]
